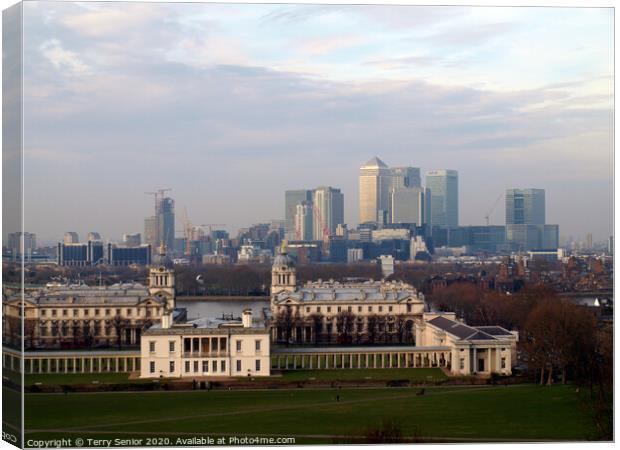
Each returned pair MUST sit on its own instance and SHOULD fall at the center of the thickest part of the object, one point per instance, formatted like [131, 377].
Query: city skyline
[180, 96]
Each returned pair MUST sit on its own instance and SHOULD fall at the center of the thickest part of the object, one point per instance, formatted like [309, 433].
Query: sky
[230, 105]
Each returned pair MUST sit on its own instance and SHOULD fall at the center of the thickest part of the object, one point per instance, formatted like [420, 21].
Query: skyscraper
[292, 198]
[166, 221]
[328, 204]
[71, 237]
[151, 232]
[407, 205]
[525, 206]
[403, 177]
[443, 197]
[303, 222]
[375, 184]
[525, 221]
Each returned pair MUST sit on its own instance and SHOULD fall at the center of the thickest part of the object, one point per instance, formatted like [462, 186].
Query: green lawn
[80, 378]
[518, 412]
[415, 375]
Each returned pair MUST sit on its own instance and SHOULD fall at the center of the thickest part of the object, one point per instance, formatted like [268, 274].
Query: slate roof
[369, 292]
[460, 330]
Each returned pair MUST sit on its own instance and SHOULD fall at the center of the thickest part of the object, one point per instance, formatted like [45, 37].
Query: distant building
[80, 254]
[387, 265]
[355, 254]
[405, 177]
[151, 231]
[132, 240]
[19, 248]
[129, 255]
[525, 206]
[375, 183]
[94, 236]
[71, 237]
[304, 226]
[525, 221]
[407, 205]
[328, 209]
[166, 221]
[292, 198]
[444, 197]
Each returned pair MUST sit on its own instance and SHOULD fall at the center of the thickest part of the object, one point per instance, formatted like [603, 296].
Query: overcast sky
[230, 105]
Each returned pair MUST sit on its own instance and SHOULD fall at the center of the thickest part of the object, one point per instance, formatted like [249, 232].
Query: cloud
[62, 59]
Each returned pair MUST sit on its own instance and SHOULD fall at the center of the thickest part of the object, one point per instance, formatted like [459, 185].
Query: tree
[345, 322]
[285, 322]
[372, 322]
[316, 320]
[119, 325]
[401, 328]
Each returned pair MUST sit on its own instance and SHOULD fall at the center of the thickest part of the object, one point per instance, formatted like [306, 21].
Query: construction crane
[490, 211]
[188, 233]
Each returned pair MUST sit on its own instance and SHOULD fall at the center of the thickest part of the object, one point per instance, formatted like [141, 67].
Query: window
[118, 312]
[205, 366]
[75, 313]
[65, 312]
[318, 309]
[257, 345]
[86, 311]
[359, 309]
[370, 309]
[171, 346]
[187, 366]
[223, 366]
[152, 367]
[238, 345]
[43, 312]
[129, 311]
[462, 363]
[258, 365]
[107, 312]
[43, 331]
[238, 365]
[390, 309]
[307, 309]
[339, 309]
[380, 308]
[408, 307]
[196, 366]
[53, 313]
[349, 308]
[171, 366]
[152, 346]
[329, 309]
[503, 363]
[214, 366]
[96, 312]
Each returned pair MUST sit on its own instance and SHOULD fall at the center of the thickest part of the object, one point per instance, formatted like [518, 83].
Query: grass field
[518, 412]
[414, 375]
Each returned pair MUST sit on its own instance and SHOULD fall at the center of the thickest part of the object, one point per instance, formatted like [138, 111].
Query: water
[215, 308]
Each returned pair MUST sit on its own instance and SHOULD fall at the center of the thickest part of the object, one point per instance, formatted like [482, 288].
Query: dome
[283, 260]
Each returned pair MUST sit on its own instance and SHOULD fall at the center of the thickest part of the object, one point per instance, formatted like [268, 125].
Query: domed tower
[283, 273]
[161, 278]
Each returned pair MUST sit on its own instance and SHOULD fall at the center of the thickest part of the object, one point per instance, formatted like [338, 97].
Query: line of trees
[345, 328]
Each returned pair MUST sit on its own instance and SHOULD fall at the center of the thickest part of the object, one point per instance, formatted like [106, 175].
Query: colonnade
[370, 359]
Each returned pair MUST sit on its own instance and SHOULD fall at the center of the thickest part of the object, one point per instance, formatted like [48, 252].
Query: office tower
[151, 232]
[404, 177]
[375, 183]
[94, 236]
[24, 248]
[129, 255]
[132, 240]
[328, 205]
[292, 198]
[166, 221]
[610, 245]
[525, 206]
[444, 197]
[71, 237]
[303, 222]
[589, 243]
[407, 205]
[76, 254]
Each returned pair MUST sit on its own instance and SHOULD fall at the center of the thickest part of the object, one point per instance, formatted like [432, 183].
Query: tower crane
[490, 211]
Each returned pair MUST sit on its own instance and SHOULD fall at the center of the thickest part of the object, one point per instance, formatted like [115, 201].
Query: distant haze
[230, 105]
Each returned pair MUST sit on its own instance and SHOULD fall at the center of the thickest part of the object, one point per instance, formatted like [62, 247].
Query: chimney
[247, 318]
[166, 320]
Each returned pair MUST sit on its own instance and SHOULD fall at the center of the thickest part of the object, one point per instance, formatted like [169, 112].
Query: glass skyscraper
[443, 197]
[525, 206]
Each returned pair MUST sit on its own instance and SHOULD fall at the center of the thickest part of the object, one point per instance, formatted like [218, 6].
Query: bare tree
[316, 320]
[345, 321]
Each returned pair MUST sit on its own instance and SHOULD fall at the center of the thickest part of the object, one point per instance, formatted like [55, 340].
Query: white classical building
[206, 347]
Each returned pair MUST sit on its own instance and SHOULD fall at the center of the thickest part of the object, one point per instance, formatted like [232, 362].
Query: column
[475, 368]
[498, 365]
